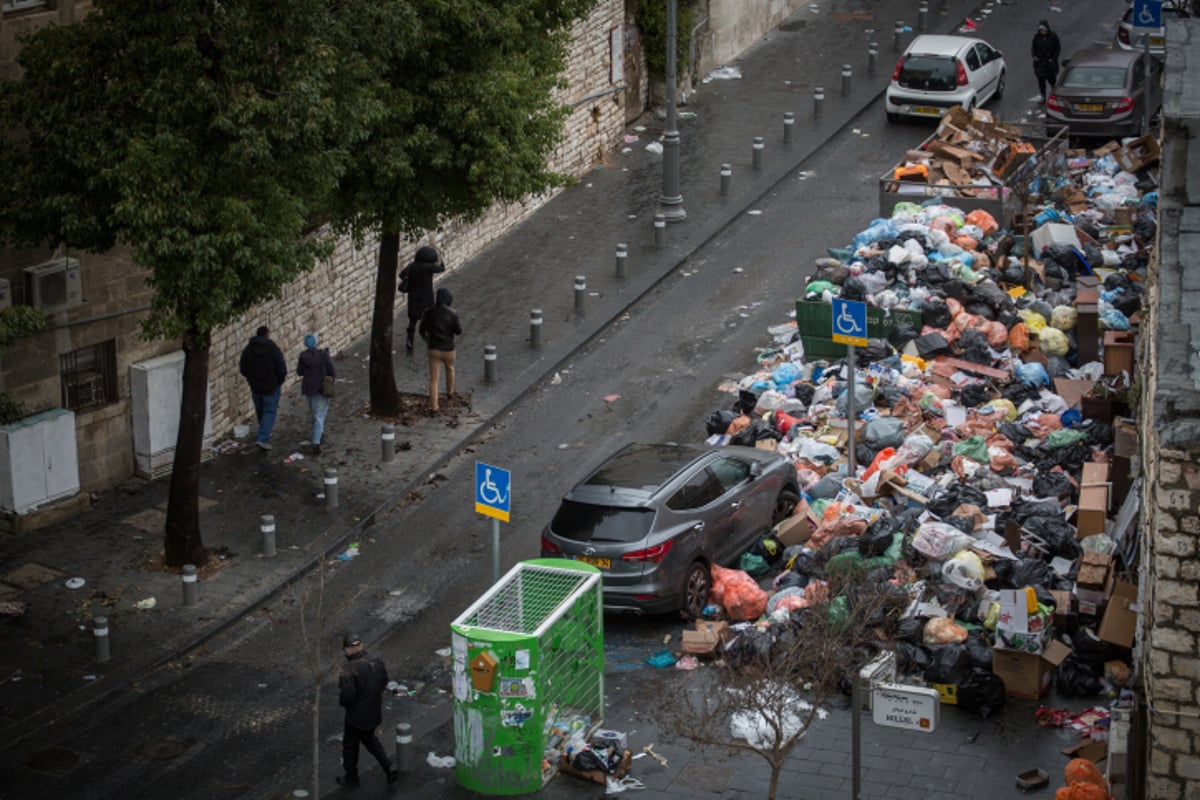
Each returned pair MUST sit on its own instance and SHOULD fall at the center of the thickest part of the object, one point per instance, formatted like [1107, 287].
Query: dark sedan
[654, 517]
[1105, 92]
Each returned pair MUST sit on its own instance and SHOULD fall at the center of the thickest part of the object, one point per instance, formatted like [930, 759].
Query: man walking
[439, 326]
[360, 690]
[1045, 50]
[265, 369]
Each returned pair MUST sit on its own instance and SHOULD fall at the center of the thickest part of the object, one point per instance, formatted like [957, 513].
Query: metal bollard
[923, 16]
[789, 122]
[489, 363]
[622, 254]
[898, 36]
[759, 146]
[387, 441]
[847, 73]
[726, 177]
[331, 487]
[660, 230]
[818, 101]
[100, 631]
[872, 58]
[944, 7]
[535, 328]
[191, 587]
[404, 747]
[266, 524]
[580, 293]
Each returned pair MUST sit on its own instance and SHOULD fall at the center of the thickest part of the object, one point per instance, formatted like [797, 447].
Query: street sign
[850, 322]
[1147, 14]
[913, 708]
[493, 494]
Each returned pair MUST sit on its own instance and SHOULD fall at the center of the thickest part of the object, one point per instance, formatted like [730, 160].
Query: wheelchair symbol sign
[493, 491]
[850, 322]
[1147, 13]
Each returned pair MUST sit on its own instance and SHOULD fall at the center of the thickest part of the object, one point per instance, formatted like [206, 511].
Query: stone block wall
[734, 25]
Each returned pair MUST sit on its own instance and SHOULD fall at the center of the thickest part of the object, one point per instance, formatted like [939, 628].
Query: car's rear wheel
[696, 589]
[999, 87]
[785, 504]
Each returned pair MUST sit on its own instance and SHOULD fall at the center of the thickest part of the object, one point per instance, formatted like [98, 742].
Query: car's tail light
[653, 554]
[1123, 36]
[1124, 105]
[550, 547]
[1054, 104]
[962, 73]
[896, 71]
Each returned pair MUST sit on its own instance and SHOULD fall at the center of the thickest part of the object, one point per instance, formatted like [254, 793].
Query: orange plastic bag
[739, 424]
[738, 593]
[1018, 337]
[1084, 782]
[997, 334]
[968, 243]
[883, 455]
[982, 220]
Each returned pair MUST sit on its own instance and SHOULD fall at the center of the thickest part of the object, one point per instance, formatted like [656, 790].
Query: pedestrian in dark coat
[1046, 50]
[419, 277]
[265, 370]
[439, 326]
[312, 368]
[360, 692]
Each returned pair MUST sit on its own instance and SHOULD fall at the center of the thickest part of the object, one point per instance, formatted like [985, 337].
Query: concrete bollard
[759, 146]
[872, 58]
[622, 255]
[789, 123]
[898, 36]
[191, 586]
[387, 441]
[266, 524]
[660, 230]
[489, 363]
[100, 631]
[331, 487]
[535, 328]
[818, 101]
[726, 178]
[923, 16]
[580, 293]
[847, 74]
[404, 747]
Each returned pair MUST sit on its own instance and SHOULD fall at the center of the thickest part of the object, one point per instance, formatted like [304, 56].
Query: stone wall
[734, 25]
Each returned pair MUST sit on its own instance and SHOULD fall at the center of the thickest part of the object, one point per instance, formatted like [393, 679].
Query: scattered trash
[146, 604]
[293, 457]
[241, 431]
[630, 138]
[661, 659]
[754, 212]
[74, 583]
[723, 74]
[611, 398]
[349, 553]
[89, 677]
[443, 652]
[654, 147]
[556, 380]
[687, 662]
[649, 750]
[1032, 779]
[444, 762]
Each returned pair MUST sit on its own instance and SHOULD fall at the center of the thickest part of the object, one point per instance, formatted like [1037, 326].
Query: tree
[199, 134]
[459, 115]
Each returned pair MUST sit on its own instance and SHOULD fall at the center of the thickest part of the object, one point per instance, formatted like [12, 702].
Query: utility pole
[671, 203]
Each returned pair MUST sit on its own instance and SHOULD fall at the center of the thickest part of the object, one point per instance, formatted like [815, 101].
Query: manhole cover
[55, 761]
[165, 749]
[31, 575]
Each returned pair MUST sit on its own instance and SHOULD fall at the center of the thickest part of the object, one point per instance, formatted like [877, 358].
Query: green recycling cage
[528, 662]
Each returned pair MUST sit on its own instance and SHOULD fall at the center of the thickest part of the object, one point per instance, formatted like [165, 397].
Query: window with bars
[89, 376]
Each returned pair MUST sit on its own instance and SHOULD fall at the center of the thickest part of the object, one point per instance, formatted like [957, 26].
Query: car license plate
[936, 112]
[599, 563]
[1089, 106]
[1157, 41]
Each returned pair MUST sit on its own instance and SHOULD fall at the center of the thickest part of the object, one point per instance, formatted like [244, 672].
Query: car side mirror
[755, 469]
[997, 55]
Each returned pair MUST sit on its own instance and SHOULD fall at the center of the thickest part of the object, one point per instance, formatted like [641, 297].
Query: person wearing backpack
[313, 367]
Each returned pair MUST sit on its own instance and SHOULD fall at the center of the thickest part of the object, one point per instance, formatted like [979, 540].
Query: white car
[939, 72]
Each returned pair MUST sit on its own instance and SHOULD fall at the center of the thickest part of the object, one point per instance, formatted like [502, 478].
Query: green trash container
[528, 664]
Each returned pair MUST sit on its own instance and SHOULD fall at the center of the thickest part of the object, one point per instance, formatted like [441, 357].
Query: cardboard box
[1028, 674]
[1053, 233]
[595, 775]
[1096, 473]
[1118, 352]
[1093, 571]
[1120, 617]
[1125, 437]
[1064, 612]
[796, 529]
[1092, 516]
[706, 638]
[1138, 154]
[1012, 156]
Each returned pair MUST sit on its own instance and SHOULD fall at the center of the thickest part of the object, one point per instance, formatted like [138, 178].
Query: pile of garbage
[990, 482]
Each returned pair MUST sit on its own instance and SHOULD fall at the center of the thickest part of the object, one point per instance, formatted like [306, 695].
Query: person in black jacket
[418, 276]
[439, 326]
[1046, 50]
[312, 367]
[265, 370]
[360, 692]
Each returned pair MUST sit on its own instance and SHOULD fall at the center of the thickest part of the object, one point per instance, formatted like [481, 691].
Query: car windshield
[587, 522]
[1093, 78]
[929, 72]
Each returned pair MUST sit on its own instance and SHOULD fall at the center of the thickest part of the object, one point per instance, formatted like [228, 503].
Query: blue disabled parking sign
[850, 322]
[1147, 14]
[493, 495]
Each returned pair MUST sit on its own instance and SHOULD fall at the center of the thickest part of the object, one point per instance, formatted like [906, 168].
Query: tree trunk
[385, 399]
[181, 540]
[316, 738]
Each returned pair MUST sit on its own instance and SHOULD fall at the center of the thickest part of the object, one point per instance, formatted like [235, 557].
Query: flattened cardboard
[1086, 748]
[1072, 392]
[1120, 617]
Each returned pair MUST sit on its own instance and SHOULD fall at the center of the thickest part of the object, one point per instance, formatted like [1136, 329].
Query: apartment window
[89, 376]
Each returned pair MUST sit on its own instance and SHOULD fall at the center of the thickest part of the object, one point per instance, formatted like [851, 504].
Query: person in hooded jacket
[418, 277]
[360, 691]
[439, 326]
[265, 370]
[1046, 50]
[312, 368]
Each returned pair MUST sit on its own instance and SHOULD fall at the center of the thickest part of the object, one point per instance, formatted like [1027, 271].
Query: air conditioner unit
[54, 285]
[5, 293]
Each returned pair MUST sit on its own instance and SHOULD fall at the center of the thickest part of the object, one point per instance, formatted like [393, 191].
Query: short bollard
[331, 487]
[726, 177]
[944, 7]
[266, 525]
[872, 57]
[100, 631]
[580, 293]
[622, 255]
[789, 123]
[847, 73]
[818, 101]
[923, 16]
[404, 747]
[191, 587]
[535, 328]
[898, 36]
[489, 363]
[660, 230]
[387, 441]
[759, 146]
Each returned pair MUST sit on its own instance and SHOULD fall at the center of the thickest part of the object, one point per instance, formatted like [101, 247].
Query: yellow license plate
[1157, 41]
[927, 110]
[599, 563]
[1089, 106]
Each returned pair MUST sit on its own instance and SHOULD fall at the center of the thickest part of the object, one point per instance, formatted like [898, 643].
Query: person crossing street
[360, 692]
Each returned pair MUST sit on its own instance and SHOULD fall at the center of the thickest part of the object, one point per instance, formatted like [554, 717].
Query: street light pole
[671, 203]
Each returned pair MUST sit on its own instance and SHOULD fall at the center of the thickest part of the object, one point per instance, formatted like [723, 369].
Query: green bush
[11, 410]
[651, 18]
[19, 321]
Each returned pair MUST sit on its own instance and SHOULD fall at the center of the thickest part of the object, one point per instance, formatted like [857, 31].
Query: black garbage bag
[1118, 280]
[803, 392]
[888, 396]
[791, 580]
[750, 646]
[587, 759]
[853, 289]
[876, 350]
[972, 346]
[910, 629]
[828, 487]
[1091, 650]
[1025, 507]
[1099, 434]
[953, 496]
[1076, 679]
[1013, 273]
[1018, 393]
[1053, 484]
[1044, 597]
[901, 334]
[931, 345]
[975, 395]
[1024, 572]
[807, 563]
[718, 422]
[1062, 255]
[935, 274]
[979, 651]
[1145, 227]
[964, 524]
[911, 659]
[980, 309]
[1015, 432]
[877, 538]
[934, 311]
[756, 431]
[958, 289]
[1127, 303]
[948, 663]
[982, 693]
[836, 546]
[746, 402]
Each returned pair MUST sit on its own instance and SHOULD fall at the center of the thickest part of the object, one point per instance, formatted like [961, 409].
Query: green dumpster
[528, 664]
[814, 319]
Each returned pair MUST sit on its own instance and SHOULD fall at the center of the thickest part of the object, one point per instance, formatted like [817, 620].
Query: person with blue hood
[313, 367]
[265, 370]
[439, 326]
[416, 282]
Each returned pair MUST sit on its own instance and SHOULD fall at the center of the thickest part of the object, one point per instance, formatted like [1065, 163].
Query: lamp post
[671, 203]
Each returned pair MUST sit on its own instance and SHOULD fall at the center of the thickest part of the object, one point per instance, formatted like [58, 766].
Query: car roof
[939, 45]
[644, 467]
[1103, 57]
